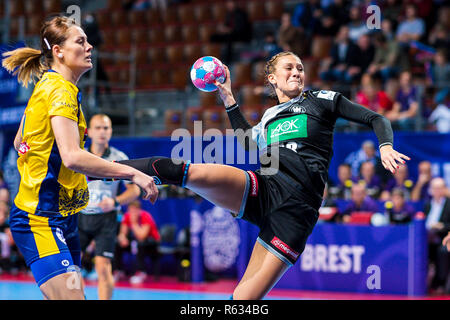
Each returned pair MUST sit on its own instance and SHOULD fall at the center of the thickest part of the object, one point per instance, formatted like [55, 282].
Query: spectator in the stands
[364, 56]
[360, 202]
[440, 71]
[437, 212]
[372, 97]
[391, 10]
[342, 189]
[342, 53]
[6, 239]
[326, 26]
[236, 28]
[357, 27]
[306, 15]
[406, 105]
[367, 152]
[397, 209]
[387, 29]
[329, 210]
[291, 38]
[2, 181]
[420, 191]
[369, 178]
[440, 116]
[386, 62]
[138, 226]
[5, 195]
[438, 37]
[412, 28]
[399, 180]
[338, 9]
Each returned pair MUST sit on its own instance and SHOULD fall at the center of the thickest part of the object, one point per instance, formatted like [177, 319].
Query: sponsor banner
[365, 259]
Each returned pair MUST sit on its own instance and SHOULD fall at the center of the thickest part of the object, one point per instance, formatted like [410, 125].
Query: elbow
[70, 160]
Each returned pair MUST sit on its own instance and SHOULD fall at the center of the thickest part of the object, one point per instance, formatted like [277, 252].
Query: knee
[103, 269]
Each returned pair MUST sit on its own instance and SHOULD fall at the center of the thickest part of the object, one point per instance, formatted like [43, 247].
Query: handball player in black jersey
[298, 136]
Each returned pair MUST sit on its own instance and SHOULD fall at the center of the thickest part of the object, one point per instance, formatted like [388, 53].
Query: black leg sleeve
[162, 169]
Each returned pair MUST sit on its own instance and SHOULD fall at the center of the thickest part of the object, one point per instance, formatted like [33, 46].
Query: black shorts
[99, 227]
[277, 205]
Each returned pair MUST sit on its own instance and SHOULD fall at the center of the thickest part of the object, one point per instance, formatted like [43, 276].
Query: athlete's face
[100, 130]
[288, 77]
[77, 51]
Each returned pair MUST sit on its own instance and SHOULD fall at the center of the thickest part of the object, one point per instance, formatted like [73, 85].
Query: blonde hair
[28, 63]
[270, 68]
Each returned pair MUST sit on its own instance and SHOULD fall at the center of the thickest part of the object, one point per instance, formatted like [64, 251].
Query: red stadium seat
[259, 75]
[214, 118]
[274, 9]
[33, 7]
[140, 36]
[361, 217]
[173, 119]
[123, 36]
[114, 4]
[157, 55]
[186, 14]
[207, 99]
[153, 17]
[192, 115]
[143, 78]
[203, 13]
[103, 19]
[250, 98]
[174, 54]
[33, 23]
[142, 57]
[241, 74]
[321, 46]
[137, 18]
[109, 37]
[119, 18]
[218, 11]
[173, 33]
[170, 16]
[157, 36]
[179, 77]
[205, 31]
[256, 10]
[17, 8]
[190, 33]
[252, 114]
[212, 49]
[192, 52]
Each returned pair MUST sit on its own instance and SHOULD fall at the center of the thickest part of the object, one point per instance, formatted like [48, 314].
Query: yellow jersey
[47, 187]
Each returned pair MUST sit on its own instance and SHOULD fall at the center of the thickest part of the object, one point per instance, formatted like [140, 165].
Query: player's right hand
[147, 184]
[225, 89]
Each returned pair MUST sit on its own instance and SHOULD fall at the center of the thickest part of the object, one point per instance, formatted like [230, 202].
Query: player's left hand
[392, 159]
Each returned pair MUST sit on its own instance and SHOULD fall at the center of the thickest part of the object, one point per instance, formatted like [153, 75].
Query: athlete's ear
[271, 79]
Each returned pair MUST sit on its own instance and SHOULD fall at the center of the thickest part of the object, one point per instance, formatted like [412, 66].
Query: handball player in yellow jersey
[52, 160]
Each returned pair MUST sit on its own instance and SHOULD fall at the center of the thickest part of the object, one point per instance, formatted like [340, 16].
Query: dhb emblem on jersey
[297, 109]
[325, 94]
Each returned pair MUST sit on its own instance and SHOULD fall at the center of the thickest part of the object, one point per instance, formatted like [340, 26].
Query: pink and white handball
[205, 71]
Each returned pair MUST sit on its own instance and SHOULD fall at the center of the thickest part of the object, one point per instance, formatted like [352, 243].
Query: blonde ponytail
[25, 63]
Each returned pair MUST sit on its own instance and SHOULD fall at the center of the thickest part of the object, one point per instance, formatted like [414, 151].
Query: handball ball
[205, 71]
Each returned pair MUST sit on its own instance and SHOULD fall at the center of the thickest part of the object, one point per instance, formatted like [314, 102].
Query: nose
[89, 47]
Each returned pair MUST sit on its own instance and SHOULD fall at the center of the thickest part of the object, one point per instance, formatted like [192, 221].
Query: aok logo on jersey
[287, 128]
